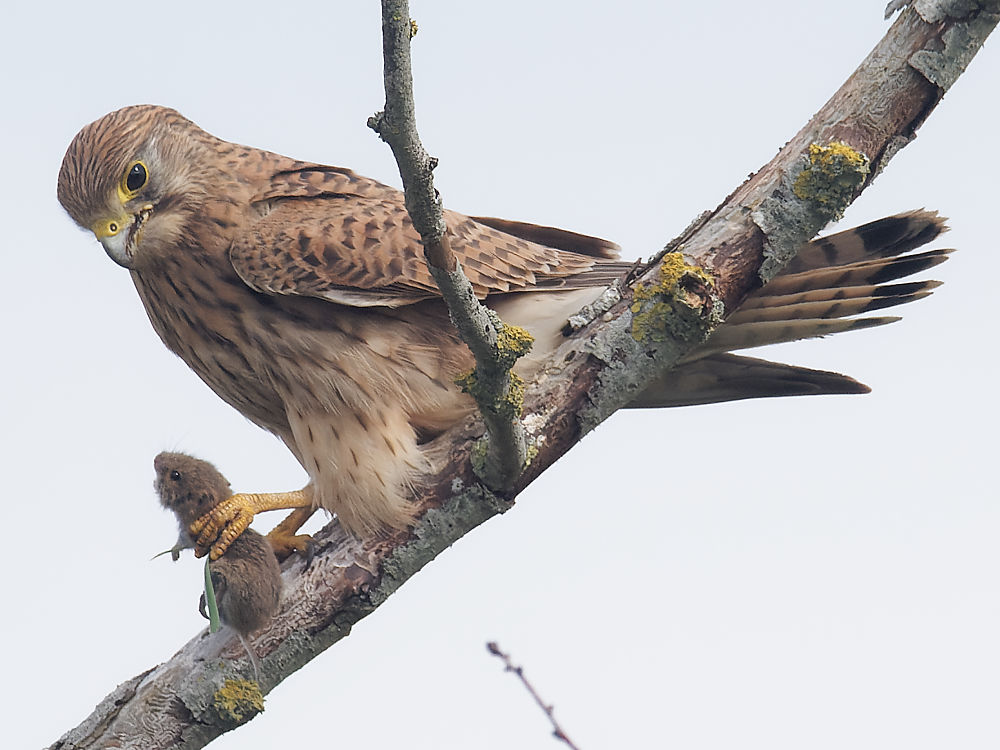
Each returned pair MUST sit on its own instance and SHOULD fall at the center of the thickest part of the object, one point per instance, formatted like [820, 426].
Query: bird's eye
[175, 476]
[136, 177]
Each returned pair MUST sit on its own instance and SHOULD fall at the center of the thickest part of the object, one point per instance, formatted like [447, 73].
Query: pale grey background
[815, 573]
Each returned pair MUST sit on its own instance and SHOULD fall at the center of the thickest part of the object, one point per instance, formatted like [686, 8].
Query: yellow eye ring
[135, 179]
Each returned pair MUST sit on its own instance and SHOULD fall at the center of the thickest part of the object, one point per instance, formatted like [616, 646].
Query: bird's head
[128, 178]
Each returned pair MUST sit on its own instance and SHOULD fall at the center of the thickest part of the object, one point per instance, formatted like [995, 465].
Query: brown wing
[330, 233]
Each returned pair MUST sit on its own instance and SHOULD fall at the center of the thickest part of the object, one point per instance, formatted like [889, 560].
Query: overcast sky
[808, 573]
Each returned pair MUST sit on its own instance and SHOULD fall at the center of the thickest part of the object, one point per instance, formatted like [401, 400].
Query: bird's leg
[284, 541]
[218, 528]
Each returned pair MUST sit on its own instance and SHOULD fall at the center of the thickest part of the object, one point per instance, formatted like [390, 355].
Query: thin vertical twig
[495, 346]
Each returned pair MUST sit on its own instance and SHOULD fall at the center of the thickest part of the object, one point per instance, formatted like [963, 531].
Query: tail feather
[877, 271]
[730, 377]
[830, 281]
[836, 308]
[729, 338]
[836, 293]
[891, 236]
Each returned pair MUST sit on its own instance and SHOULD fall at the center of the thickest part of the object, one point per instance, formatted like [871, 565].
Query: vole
[247, 578]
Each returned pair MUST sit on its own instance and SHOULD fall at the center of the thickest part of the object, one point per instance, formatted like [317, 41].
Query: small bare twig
[496, 346]
[549, 709]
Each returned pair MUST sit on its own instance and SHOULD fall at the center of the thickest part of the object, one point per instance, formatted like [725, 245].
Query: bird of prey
[298, 292]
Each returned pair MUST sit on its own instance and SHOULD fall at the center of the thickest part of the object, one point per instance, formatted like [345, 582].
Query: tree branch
[496, 346]
[671, 307]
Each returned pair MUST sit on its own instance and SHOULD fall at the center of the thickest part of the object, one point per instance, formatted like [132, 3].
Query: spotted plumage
[299, 294]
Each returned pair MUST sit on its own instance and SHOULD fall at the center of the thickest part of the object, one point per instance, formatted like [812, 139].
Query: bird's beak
[120, 235]
[114, 246]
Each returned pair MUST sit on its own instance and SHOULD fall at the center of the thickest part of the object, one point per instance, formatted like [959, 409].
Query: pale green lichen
[478, 454]
[238, 701]
[833, 175]
[660, 310]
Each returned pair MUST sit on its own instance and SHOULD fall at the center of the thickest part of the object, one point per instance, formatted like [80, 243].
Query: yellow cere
[107, 227]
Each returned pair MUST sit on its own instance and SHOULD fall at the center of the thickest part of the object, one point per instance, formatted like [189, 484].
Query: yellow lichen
[833, 175]
[512, 343]
[509, 405]
[467, 381]
[531, 455]
[513, 405]
[656, 307]
[238, 701]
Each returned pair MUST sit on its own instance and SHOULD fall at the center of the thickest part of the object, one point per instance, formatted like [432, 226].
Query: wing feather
[327, 232]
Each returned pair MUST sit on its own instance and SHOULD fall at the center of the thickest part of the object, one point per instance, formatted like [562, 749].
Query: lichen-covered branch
[842, 148]
[495, 345]
[639, 330]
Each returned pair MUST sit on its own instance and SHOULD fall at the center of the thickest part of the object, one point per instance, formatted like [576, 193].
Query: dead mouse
[247, 578]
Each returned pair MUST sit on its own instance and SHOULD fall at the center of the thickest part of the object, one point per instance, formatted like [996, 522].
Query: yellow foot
[218, 528]
[284, 541]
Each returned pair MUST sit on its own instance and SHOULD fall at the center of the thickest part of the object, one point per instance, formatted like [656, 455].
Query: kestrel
[298, 292]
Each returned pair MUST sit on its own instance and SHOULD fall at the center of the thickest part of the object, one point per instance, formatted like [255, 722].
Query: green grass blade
[213, 606]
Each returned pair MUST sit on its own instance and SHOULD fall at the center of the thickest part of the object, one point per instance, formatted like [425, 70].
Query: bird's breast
[265, 354]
